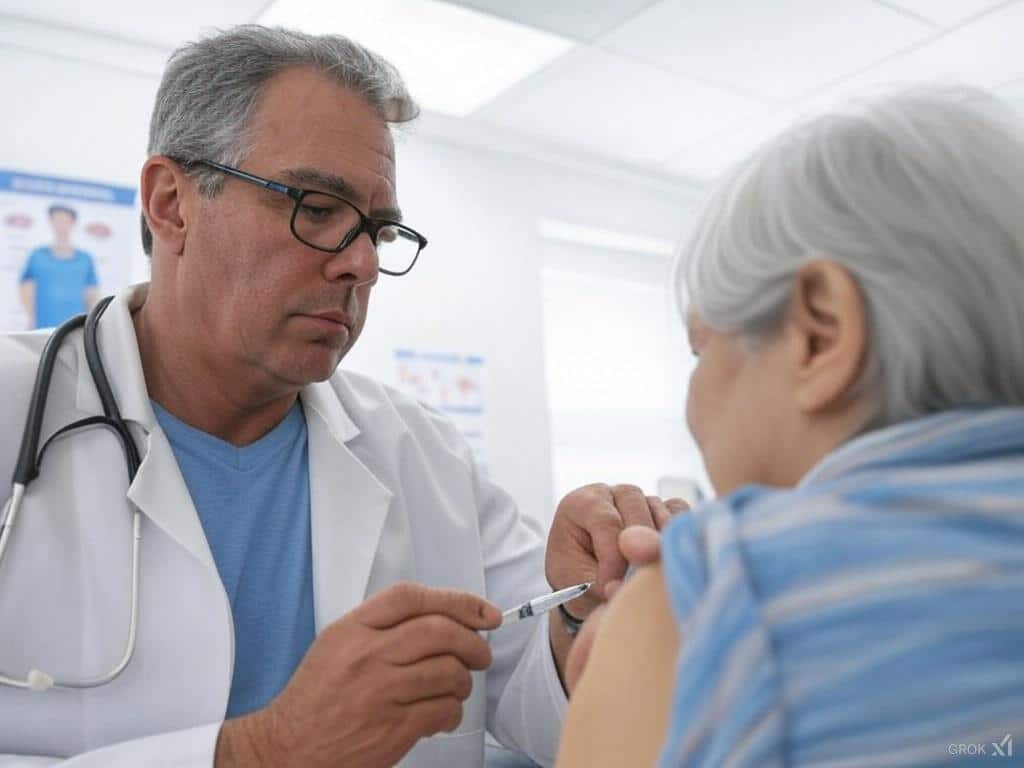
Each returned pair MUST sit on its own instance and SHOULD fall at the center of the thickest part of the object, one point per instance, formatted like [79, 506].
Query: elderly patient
[855, 595]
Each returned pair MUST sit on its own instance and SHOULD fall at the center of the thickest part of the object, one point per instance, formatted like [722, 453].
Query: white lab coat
[394, 495]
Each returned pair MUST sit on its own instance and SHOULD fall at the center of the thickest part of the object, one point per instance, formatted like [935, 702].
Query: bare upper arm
[619, 711]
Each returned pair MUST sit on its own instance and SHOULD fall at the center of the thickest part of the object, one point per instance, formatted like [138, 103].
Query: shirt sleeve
[725, 703]
[526, 702]
[29, 272]
[90, 271]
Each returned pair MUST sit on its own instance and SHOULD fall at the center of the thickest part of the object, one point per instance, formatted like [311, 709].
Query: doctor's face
[273, 303]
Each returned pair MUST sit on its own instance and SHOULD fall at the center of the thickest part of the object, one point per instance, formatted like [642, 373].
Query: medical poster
[451, 384]
[61, 241]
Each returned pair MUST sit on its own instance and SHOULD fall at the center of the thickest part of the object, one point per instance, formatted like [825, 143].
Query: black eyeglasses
[330, 223]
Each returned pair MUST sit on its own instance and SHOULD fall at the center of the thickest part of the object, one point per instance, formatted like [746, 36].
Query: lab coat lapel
[348, 507]
[159, 490]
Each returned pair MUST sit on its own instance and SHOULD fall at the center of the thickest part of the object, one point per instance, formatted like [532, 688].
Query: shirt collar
[962, 434]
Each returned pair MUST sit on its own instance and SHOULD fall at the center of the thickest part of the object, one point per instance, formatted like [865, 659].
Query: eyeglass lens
[325, 221]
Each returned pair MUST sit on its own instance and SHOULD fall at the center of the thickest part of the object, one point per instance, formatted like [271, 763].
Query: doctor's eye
[318, 212]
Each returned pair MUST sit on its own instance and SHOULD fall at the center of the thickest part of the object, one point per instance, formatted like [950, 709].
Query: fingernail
[490, 613]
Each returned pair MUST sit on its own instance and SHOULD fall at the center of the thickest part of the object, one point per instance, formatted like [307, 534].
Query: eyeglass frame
[371, 226]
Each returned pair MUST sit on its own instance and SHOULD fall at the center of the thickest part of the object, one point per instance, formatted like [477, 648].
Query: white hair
[920, 195]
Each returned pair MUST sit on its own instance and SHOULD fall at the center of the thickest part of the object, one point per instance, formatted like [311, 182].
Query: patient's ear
[164, 189]
[827, 335]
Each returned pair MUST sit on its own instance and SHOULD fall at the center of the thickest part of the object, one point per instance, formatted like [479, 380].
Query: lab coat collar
[119, 350]
[348, 505]
[319, 399]
[159, 490]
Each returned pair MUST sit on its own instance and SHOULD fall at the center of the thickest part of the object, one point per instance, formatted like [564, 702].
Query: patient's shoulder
[641, 603]
[619, 712]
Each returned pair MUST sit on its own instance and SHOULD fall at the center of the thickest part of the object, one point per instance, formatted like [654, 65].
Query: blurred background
[563, 152]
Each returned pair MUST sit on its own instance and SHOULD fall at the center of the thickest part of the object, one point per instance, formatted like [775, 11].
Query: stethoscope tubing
[27, 469]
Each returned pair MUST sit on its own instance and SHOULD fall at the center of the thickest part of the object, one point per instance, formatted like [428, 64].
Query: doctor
[313, 543]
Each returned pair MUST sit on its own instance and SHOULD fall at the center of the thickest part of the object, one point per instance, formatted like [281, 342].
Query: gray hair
[211, 87]
[919, 195]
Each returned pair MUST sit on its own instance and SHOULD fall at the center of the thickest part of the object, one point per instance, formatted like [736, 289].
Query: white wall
[477, 287]
[618, 370]
[73, 119]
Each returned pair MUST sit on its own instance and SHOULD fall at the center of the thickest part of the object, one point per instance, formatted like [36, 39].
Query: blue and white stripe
[872, 616]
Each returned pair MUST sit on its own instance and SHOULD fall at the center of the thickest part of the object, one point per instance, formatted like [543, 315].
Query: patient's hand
[640, 546]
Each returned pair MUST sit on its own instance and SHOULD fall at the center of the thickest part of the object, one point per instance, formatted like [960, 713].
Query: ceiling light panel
[453, 59]
[577, 19]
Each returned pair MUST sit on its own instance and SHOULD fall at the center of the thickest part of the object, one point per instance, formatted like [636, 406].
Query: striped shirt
[871, 616]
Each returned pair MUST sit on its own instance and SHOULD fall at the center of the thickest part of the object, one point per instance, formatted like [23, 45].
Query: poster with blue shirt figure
[66, 243]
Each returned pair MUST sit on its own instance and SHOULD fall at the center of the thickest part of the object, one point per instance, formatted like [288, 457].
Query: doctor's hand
[584, 545]
[390, 672]
[640, 546]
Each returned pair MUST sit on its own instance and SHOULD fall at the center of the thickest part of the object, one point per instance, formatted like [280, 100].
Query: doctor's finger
[659, 511]
[430, 716]
[633, 506]
[676, 505]
[603, 526]
[426, 636]
[407, 600]
[430, 678]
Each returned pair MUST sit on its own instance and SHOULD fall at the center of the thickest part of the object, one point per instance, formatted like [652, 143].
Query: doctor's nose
[356, 263]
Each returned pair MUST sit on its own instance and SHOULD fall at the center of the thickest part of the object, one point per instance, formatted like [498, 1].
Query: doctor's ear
[163, 189]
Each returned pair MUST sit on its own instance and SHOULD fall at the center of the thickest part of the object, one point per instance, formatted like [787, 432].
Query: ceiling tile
[945, 13]
[1013, 92]
[163, 24]
[774, 50]
[73, 44]
[710, 158]
[615, 106]
[581, 20]
[986, 53]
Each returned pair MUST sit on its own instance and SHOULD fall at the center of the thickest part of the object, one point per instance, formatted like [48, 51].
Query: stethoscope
[30, 458]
